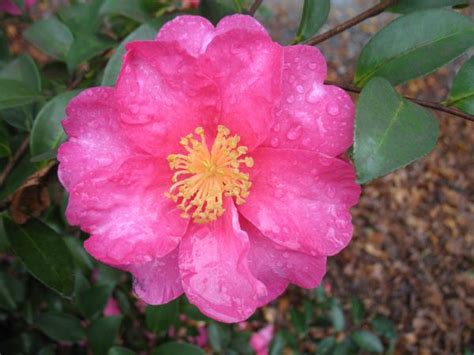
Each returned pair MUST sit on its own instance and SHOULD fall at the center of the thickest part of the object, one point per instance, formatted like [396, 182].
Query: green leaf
[91, 302]
[60, 326]
[357, 310]
[326, 346]
[419, 43]
[219, 336]
[102, 334]
[108, 275]
[277, 344]
[14, 93]
[337, 316]
[131, 8]
[462, 92]
[81, 258]
[367, 341]
[390, 132]
[19, 174]
[406, 6]
[315, 14]
[5, 149]
[215, 10]
[23, 69]
[44, 253]
[346, 347]
[160, 318]
[298, 321]
[118, 350]
[86, 47]
[47, 132]
[11, 292]
[144, 32]
[51, 36]
[81, 18]
[4, 51]
[384, 327]
[173, 348]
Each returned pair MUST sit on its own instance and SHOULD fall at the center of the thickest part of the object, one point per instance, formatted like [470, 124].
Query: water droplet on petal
[306, 141]
[300, 89]
[312, 66]
[277, 127]
[294, 133]
[290, 99]
[274, 142]
[286, 255]
[333, 109]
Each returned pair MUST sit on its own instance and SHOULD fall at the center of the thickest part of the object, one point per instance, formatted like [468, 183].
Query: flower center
[204, 176]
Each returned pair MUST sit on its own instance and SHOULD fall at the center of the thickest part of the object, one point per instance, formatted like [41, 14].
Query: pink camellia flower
[260, 341]
[212, 167]
[11, 8]
[111, 308]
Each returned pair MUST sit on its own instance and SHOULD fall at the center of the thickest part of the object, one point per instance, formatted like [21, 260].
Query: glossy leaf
[326, 346]
[219, 336]
[277, 344]
[367, 341]
[357, 310]
[215, 10]
[337, 316]
[91, 302]
[102, 334]
[15, 93]
[51, 36]
[81, 18]
[47, 132]
[160, 318]
[406, 6]
[315, 14]
[44, 253]
[86, 47]
[23, 69]
[11, 292]
[462, 92]
[390, 132]
[131, 8]
[60, 326]
[20, 173]
[419, 43]
[384, 327]
[173, 348]
[112, 69]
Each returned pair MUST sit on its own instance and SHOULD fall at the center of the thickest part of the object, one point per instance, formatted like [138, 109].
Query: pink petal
[125, 211]
[163, 96]
[111, 308]
[9, 7]
[214, 270]
[301, 200]
[95, 136]
[276, 266]
[247, 69]
[158, 281]
[260, 341]
[193, 33]
[311, 115]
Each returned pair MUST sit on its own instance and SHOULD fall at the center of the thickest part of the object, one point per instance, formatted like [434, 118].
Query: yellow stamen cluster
[203, 177]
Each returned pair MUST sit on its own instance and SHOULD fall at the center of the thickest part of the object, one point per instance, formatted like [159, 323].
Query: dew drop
[294, 133]
[286, 255]
[333, 109]
[290, 99]
[312, 66]
[274, 142]
[276, 127]
[306, 141]
[300, 89]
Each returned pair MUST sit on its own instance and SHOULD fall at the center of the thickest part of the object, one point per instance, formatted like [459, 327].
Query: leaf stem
[373, 11]
[14, 160]
[254, 7]
[429, 104]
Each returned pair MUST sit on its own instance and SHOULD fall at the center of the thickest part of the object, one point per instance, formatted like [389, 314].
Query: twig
[14, 160]
[429, 104]
[373, 11]
[254, 7]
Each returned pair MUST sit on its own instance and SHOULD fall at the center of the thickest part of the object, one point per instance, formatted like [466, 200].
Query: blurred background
[405, 283]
